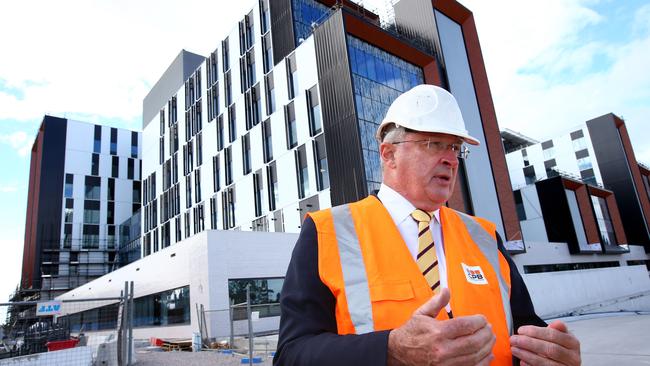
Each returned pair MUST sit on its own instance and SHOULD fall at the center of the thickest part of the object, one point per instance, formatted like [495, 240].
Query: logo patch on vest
[474, 274]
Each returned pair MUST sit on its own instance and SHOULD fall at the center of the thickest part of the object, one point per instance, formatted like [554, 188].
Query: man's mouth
[444, 177]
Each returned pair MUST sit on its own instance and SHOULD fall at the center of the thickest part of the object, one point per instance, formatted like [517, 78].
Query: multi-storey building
[600, 154]
[280, 119]
[84, 181]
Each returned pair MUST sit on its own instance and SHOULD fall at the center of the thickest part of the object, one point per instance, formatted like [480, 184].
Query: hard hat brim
[462, 134]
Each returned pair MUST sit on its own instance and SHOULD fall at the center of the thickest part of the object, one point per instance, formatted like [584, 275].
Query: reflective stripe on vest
[354, 270]
[490, 250]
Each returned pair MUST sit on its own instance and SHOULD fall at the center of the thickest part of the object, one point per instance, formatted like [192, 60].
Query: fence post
[250, 324]
[232, 325]
[129, 327]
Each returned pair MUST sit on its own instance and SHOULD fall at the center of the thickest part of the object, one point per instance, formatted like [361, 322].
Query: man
[400, 279]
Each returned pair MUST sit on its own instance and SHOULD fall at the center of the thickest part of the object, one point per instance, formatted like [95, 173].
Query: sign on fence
[48, 308]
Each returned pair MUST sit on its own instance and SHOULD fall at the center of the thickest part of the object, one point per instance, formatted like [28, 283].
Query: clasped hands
[469, 340]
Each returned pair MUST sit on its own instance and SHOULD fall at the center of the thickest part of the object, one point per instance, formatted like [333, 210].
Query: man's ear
[387, 154]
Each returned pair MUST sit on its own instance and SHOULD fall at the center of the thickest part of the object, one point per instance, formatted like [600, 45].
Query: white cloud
[97, 57]
[8, 188]
[541, 68]
[18, 141]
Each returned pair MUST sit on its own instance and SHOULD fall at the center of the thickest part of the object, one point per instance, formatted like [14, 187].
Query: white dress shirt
[400, 210]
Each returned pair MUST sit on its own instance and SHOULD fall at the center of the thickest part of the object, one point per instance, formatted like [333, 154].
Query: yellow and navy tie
[427, 259]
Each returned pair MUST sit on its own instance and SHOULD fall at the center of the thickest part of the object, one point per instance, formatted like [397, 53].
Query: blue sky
[551, 65]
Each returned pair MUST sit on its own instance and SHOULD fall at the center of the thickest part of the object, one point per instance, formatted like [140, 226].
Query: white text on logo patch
[474, 274]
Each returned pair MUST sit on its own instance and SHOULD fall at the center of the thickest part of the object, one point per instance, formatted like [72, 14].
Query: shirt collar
[397, 206]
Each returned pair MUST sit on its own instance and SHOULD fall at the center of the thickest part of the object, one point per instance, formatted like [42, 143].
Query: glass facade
[604, 221]
[265, 296]
[306, 12]
[378, 78]
[164, 308]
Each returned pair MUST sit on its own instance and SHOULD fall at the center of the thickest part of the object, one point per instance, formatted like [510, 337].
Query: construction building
[84, 180]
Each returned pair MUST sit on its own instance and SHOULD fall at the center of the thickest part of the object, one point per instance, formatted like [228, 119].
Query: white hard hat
[427, 108]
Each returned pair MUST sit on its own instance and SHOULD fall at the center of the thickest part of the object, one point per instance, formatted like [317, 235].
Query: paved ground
[613, 339]
[619, 339]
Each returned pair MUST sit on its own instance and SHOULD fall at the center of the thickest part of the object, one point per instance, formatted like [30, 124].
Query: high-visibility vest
[377, 284]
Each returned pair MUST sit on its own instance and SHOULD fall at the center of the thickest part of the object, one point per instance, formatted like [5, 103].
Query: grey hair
[392, 133]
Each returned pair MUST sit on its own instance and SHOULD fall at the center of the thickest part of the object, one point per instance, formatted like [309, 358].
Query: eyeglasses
[462, 152]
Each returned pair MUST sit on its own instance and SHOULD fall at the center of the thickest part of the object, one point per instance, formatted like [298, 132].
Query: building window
[69, 183]
[519, 205]
[110, 192]
[90, 237]
[253, 107]
[378, 78]
[550, 167]
[69, 210]
[580, 143]
[199, 223]
[313, 108]
[302, 172]
[272, 179]
[91, 212]
[216, 171]
[97, 141]
[267, 141]
[232, 123]
[265, 16]
[187, 224]
[162, 122]
[263, 291]
[604, 221]
[228, 88]
[292, 76]
[291, 127]
[246, 153]
[548, 150]
[220, 133]
[228, 164]
[197, 186]
[584, 163]
[320, 158]
[67, 236]
[134, 145]
[177, 229]
[94, 170]
[213, 213]
[529, 174]
[524, 155]
[267, 55]
[199, 149]
[228, 208]
[93, 188]
[136, 191]
[130, 172]
[270, 93]
[258, 191]
[115, 167]
[113, 141]
[188, 191]
[110, 213]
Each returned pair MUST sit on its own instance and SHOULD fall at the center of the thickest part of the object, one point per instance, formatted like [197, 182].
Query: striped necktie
[427, 259]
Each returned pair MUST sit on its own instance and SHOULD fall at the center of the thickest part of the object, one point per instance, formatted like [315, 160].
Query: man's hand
[423, 340]
[553, 345]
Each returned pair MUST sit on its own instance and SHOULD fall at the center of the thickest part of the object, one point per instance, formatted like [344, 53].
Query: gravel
[174, 358]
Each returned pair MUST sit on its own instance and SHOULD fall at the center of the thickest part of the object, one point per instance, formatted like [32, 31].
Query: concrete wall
[205, 262]
[559, 293]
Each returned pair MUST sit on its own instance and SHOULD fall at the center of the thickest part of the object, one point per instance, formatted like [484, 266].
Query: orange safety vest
[364, 261]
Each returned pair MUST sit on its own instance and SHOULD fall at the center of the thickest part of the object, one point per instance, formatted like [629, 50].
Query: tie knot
[422, 216]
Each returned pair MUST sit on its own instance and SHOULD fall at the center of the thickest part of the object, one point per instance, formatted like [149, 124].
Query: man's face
[421, 173]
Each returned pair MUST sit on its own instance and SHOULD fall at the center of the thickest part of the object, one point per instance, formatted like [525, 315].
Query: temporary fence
[245, 328]
[95, 331]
